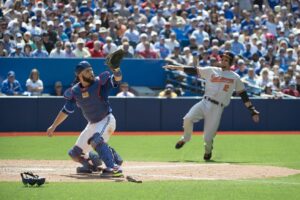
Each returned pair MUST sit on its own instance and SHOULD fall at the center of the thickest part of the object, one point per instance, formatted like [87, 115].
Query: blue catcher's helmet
[82, 66]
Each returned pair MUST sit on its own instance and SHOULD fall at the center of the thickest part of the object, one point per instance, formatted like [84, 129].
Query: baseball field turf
[262, 150]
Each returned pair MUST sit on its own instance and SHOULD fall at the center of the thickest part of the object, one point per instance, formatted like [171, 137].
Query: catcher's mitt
[114, 59]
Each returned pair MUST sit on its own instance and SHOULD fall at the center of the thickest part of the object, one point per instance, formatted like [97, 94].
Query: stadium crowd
[263, 34]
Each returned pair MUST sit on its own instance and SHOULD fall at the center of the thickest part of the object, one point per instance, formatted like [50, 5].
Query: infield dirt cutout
[65, 171]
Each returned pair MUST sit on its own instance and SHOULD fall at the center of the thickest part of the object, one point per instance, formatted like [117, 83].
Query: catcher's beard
[89, 80]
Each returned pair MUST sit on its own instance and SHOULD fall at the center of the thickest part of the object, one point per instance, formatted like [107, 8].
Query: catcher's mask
[230, 56]
[82, 66]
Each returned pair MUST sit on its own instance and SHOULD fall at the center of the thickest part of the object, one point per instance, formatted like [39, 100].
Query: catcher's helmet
[229, 55]
[82, 66]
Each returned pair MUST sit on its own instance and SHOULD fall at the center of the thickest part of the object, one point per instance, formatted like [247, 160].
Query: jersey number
[226, 87]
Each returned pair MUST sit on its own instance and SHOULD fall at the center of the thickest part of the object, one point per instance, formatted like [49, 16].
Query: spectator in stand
[291, 90]
[19, 39]
[18, 52]
[176, 58]
[125, 46]
[193, 44]
[27, 40]
[166, 32]
[199, 34]
[3, 52]
[130, 48]
[242, 68]
[39, 52]
[136, 15]
[187, 55]
[141, 45]
[270, 56]
[264, 78]
[219, 36]
[132, 33]
[112, 30]
[11, 86]
[251, 82]
[103, 33]
[228, 14]
[276, 84]
[68, 50]
[226, 46]
[109, 47]
[287, 80]
[123, 10]
[48, 44]
[204, 61]
[195, 60]
[58, 89]
[147, 53]
[247, 54]
[96, 52]
[168, 92]
[161, 47]
[158, 20]
[124, 91]
[34, 84]
[290, 56]
[237, 47]
[8, 44]
[57, 52]
[282, 59]
[27, 51]
[80, 51]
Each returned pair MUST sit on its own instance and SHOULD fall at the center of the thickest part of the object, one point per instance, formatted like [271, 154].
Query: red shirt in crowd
[148, 54]
[96, 54]
[291, 92]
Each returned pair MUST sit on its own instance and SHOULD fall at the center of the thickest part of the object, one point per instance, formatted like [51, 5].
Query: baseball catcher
[90, 94]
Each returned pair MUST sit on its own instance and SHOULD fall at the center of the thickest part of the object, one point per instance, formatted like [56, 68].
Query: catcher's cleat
[83, 170]
[207, 156]
[88, 170]
[179, 144]
[112, 173]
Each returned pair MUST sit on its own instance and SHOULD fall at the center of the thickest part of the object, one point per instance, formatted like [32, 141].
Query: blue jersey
[92, 100]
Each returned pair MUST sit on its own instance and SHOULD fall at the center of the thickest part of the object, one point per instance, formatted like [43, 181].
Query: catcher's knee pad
[96, 140]
[103, 150]
[76, 153]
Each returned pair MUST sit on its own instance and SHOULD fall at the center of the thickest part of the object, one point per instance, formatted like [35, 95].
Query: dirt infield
[64, 171]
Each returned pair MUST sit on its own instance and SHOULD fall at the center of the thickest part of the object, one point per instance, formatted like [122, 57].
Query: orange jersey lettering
[220, 79]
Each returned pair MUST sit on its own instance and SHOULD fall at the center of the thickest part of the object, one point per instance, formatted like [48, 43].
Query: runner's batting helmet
[230, 56]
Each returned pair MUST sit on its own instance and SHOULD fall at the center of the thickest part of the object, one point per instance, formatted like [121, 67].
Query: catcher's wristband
[252, 110]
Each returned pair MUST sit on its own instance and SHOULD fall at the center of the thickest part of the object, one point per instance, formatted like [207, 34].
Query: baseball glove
[114, 59]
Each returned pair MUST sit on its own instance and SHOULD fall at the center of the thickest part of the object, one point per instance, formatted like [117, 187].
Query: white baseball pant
[211, 113]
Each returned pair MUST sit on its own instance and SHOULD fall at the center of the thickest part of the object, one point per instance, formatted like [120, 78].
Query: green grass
[208, 190]
[277, 150]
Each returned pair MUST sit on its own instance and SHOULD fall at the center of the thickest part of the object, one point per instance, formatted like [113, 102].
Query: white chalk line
[274, 182]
